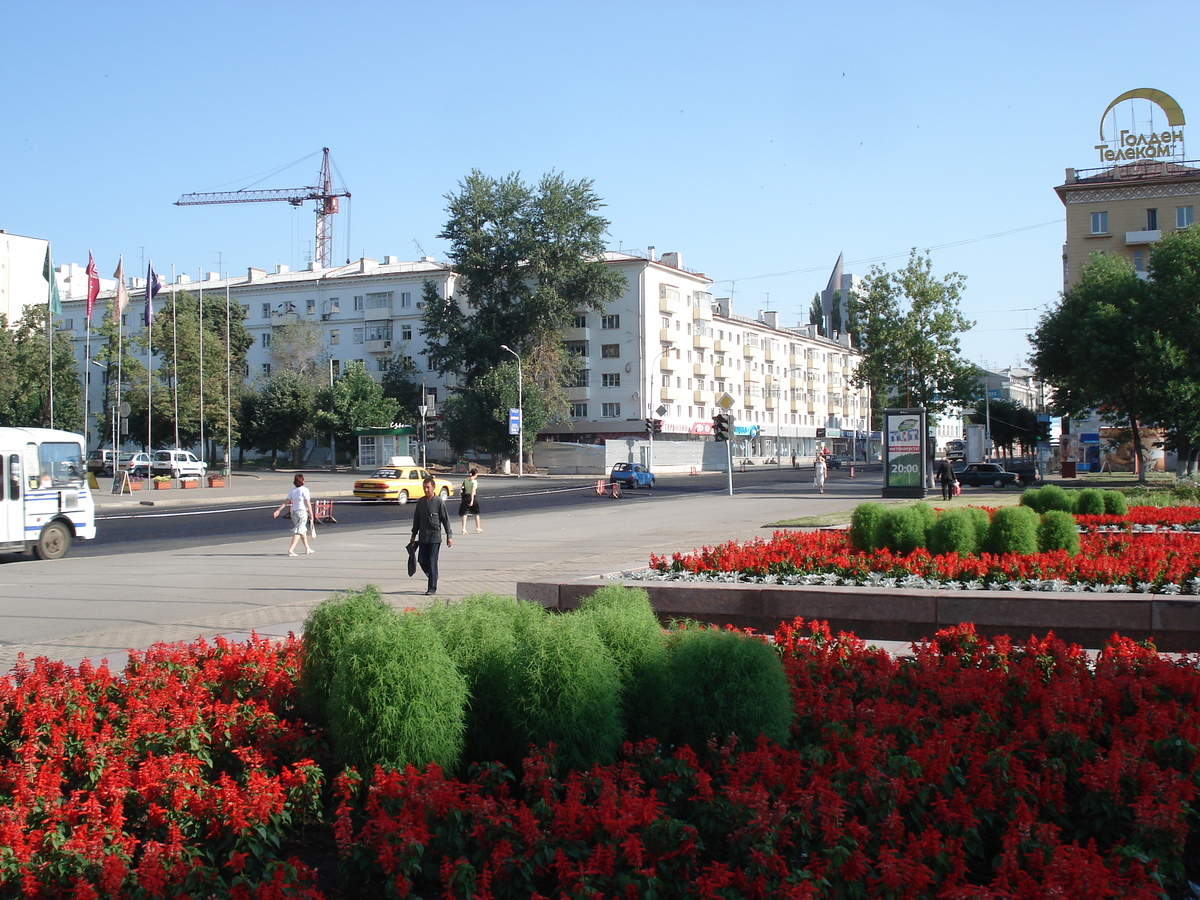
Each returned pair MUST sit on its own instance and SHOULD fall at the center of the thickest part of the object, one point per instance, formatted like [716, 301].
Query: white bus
[45, 502]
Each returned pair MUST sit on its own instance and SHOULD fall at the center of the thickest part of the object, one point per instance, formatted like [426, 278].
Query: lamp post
[520, 411]
[333, 412]
[650, 401]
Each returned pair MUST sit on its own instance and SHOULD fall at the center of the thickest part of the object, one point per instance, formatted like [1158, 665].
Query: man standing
[430, 518]
[945, 474]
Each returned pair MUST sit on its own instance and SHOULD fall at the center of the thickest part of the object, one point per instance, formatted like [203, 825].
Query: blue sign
[514, 421]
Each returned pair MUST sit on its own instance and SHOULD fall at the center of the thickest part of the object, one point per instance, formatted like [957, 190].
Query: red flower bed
[1105, 558]
[971, 770]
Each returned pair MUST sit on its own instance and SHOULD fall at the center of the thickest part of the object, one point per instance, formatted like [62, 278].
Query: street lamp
[520, 411]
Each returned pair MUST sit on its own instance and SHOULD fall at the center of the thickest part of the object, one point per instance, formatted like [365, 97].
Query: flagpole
[200, 314]
[118, 312]
[174, 358]
[50, 325]
[228, 392]
[93, 290]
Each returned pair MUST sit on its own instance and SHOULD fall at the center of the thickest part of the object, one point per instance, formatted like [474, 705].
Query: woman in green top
[468, 505]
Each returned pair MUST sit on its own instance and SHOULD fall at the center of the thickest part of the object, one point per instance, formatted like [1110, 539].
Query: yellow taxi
[399, 482]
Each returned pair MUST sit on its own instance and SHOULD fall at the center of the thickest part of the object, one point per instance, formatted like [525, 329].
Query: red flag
[93, 284]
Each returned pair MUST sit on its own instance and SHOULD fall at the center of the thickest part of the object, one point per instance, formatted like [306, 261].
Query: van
[101, 462]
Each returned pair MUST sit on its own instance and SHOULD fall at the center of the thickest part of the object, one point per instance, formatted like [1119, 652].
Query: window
[579, 378]
[580, 320]
[337, 367]
[610, 351]
[382, 363]
[576, 348]
[666, 322]
[610, 410]
[1152, 220]
[335, 305]
[381, 300]
[578, 410]
[358, 303]
[611, 380]
[310, 305]
[266, 339]
[668, 293]
[245, 312]
[358, 335]
[379, 332]
[266, 368]
[68, 324]
[405, 300]
[1184, 216]
[406, 332]
[610, 321]
[266, 310]
[1139, 262]
[1100, 223]
[335, 337]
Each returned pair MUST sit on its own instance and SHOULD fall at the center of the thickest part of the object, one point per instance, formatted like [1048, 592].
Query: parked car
[836, 461]
[177, 464]
[101, 462]
[400, 484]
[986, 474]
[137, 464]
[632, 475]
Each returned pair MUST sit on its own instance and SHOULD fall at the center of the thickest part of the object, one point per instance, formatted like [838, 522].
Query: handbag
[412, 558]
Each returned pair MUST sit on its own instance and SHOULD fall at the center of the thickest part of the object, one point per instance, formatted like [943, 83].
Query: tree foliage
[527, 257]
[356, 401]
[910, 325]
[25, 374]
[276, 416]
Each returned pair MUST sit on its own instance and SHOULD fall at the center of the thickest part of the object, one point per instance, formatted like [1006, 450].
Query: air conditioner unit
[420, 304]
[387, 345]
[325, 316]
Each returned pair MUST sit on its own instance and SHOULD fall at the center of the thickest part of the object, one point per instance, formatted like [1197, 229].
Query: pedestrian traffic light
[649, 426]
[721, 427]
[658, 426]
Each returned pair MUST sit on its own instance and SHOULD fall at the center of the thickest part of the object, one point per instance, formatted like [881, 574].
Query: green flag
[48, 274]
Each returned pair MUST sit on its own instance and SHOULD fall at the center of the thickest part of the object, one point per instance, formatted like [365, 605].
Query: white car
[177, 464]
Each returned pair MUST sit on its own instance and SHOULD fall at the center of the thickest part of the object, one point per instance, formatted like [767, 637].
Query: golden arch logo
[1132, 144]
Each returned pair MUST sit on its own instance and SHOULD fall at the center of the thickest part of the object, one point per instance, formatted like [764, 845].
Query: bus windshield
[59, 464]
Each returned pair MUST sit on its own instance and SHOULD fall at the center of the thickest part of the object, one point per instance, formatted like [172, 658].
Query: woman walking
[301, 503]
[821, 471]
[468, 505]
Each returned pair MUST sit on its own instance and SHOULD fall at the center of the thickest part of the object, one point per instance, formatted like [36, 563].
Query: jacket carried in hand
[429, 519]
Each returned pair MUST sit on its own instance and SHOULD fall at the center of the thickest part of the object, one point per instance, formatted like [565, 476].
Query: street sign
[662, 410]
[725, 402]
[514, 421]
[123, 409]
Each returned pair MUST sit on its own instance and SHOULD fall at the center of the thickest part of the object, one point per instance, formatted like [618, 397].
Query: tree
[298, 345]
[528, 257]
[355, 401]
[1099, 343]
[276, 415]
[25, 374]
[910, 325]
[816, 315]
[399, 382]
[835, 313]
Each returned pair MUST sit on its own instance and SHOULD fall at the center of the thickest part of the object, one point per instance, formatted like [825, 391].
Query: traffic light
[649, 426]
[658, 426]
[721, 424]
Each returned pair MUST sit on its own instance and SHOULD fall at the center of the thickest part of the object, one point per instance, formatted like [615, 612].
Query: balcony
[702, 341]
[377, 313]
[720, 346]
[702, 398]
[384, 346]
[665, 336]
[1142, 237]
[666, 363]
[699, 369]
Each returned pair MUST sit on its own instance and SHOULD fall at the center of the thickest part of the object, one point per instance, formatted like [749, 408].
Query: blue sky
[757, 139]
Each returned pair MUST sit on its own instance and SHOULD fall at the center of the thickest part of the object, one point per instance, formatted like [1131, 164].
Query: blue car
[632, 475]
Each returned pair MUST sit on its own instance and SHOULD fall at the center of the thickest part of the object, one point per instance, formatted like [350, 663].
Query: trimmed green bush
[629, 628]
[1014, 529]
[928, 516]
[1058, 532]
[1114, 504]
[325, 631]
[862, 524]
[721, 683]
[956, 531]
[480, 634]
[397, 698]
[900, 529]
[1054, 497]
[566, 690]
[1032, 497]
[1089, 502]
[983, 524]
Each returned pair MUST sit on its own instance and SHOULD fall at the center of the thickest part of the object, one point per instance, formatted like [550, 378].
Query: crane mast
[323, 193]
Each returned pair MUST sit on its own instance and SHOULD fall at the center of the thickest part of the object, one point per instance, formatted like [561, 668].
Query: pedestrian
[430, 519]
[821, 471]
[794, 458]
[468, 504]
[945, 474]
[301, 502]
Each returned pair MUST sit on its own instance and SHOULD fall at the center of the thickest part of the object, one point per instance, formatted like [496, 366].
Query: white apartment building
[664, 344]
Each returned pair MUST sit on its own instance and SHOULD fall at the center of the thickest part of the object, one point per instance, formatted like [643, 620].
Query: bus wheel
[54, 542]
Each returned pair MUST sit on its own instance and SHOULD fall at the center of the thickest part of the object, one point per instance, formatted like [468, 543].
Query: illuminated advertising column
[904, 459]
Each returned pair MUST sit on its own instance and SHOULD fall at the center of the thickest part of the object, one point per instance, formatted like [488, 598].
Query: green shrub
[957, 531]
[1054, 497]
[928, 516]
[1014, 529]
[480, 634]
[983, 524]
[1058, 532]
[900, 529]
[325, 632]
[862, 524]
[1089, 502]
[397, 698]
[629, 628]
[1032, 497]
[566, 690]
[1114, 504]
[721, 683]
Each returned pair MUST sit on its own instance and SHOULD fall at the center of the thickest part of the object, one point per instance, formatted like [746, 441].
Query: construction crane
[323, 193]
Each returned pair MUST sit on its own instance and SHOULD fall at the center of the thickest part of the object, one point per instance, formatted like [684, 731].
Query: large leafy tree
[528, 257]
[356, 400]
[25, 374]
[1098, 345]
[910, 323]
[277, 415]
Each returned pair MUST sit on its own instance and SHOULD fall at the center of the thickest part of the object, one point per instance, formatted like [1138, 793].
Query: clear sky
[760, 140]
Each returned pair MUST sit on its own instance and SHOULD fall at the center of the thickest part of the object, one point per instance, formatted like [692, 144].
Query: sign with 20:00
[903, 450]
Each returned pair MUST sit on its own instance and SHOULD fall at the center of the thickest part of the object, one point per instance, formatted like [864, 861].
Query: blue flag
[153, 286]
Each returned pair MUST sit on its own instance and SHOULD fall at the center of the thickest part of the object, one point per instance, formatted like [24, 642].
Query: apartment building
[666, 348]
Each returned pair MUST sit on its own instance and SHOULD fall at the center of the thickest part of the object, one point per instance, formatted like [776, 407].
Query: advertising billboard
[904, 457]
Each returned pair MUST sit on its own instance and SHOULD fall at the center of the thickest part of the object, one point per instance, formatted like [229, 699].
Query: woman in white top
[821, 471]
[301, 503]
